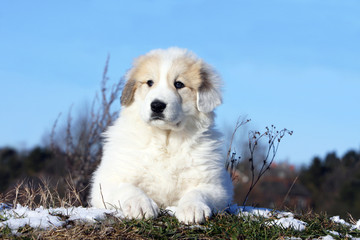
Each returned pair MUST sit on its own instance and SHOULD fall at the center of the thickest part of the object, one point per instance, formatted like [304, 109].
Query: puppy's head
[170, 86]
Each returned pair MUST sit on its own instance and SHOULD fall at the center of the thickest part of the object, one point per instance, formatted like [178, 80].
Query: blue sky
[295, 64]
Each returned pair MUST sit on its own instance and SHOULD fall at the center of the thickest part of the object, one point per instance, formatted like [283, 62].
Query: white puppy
[162, 150]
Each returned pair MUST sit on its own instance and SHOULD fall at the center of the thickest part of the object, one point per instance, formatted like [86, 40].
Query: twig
[288, 192]
[233, 161]
[237, 126]
[102, 196]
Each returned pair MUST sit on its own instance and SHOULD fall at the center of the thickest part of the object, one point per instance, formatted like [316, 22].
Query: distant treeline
[331, 184]
[31, 165]
[334, 183]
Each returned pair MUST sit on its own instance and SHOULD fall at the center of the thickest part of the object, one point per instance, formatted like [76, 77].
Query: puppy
[163, 150]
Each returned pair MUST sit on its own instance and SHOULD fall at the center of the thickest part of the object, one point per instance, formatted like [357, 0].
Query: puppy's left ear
[127, 95]
[208, 95]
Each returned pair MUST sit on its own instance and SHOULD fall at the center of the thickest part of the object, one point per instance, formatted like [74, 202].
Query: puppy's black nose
[158, 106]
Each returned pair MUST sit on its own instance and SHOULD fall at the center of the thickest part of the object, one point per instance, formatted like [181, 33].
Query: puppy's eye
[178, 85]
[150, 83]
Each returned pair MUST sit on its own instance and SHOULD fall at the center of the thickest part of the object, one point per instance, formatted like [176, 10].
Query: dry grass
[33, 195]
[85, 231]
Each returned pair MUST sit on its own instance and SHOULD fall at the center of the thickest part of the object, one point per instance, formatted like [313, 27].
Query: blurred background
[294, 64]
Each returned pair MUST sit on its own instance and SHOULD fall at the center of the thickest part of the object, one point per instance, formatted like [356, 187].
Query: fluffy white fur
[173, 161]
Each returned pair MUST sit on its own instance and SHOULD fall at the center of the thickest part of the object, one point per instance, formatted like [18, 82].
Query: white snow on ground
[337, 219]
[21, 216]
[291, 222]
[334, 233]
[283, 219]
[42, 218]
[86, 214]
[357, 225]
[327, 237]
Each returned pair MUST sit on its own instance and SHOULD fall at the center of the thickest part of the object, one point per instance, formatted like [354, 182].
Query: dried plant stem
[288, 192]
[232, 161]
[237, 126]
[274, 138]
[102, 196]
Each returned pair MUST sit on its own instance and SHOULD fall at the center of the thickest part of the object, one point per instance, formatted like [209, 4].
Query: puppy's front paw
[193, 212]
[140, 207]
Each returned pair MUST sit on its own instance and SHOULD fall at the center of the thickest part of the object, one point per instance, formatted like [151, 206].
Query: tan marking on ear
[127, 95]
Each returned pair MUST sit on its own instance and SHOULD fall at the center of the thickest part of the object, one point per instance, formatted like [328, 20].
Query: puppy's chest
[165, 177]
[167, 169]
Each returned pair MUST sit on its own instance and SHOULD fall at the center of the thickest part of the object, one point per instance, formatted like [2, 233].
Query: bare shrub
[272, 138]
[79, 142]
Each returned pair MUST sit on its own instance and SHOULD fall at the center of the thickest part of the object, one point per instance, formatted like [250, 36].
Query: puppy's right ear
[208, 95]
[127, 95]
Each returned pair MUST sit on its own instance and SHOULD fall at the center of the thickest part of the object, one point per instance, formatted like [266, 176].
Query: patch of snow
[290, 222]
[259, 212]
[235, 209]
[283, 219]
[21, 216]
[85, 214]
[327, 237]
[46, 218]
[337, 219]
[356, 226]
[334, 233]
